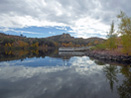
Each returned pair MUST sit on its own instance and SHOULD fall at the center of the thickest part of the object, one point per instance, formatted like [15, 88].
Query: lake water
[62, 75]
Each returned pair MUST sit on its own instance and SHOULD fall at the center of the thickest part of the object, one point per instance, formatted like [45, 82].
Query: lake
[53, 74]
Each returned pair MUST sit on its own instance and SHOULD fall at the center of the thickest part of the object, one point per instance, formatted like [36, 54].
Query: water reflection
[124, 89]
[111, 72]
[60, 75]
[52, 82]
[22, 54]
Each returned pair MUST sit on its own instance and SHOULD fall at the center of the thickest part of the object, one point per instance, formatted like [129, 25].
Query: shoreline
[106, 56]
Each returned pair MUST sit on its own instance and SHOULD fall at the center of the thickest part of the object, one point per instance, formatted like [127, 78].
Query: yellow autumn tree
[22, 44]
[111, 41]
[125, 31]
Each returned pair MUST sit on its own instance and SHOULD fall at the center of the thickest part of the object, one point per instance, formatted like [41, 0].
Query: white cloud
[87, 17]
[89, 27]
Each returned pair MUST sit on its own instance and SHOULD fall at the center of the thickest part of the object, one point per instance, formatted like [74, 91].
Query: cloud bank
[85, 18]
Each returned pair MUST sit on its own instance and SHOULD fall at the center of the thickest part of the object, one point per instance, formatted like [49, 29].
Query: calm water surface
[63, 75]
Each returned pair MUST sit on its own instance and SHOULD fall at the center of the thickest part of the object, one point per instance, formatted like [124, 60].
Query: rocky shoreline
[105, 56]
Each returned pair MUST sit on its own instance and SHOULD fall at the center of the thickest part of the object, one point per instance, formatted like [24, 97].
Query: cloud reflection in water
[82, 79]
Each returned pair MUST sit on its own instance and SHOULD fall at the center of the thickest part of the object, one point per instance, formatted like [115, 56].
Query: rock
[116, 58]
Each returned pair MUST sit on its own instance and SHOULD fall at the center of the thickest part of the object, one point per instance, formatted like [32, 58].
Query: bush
[101, 46]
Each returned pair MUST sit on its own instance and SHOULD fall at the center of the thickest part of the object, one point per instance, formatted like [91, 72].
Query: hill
[64, 40]
[67, 38]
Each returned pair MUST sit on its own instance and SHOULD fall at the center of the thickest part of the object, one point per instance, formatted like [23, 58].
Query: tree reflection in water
[111, 74]
[124, 89]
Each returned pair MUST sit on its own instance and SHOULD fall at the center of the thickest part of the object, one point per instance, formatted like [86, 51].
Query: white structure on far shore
[67, 49]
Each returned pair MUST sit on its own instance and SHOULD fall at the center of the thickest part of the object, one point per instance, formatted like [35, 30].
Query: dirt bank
[109, 55]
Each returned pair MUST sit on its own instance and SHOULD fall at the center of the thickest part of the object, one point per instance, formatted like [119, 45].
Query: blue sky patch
[38, 32]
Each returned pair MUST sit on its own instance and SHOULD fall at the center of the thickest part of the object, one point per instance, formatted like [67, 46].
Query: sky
[44, 18]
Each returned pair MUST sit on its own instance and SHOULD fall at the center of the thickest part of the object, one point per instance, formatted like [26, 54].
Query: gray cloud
[66, 12]
[103, 9]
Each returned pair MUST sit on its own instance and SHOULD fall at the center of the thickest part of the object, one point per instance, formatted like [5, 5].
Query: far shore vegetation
[119, 41]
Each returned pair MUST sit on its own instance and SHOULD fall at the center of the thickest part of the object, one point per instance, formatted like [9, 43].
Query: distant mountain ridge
[64, 39]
